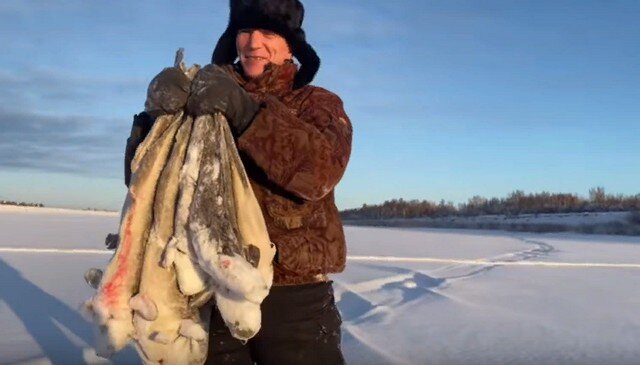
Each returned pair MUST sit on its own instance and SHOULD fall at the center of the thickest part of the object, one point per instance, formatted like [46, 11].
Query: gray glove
[167, 92]
[214, 90]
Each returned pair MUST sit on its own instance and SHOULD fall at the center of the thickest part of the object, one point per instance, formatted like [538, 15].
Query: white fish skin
[191, 278]
[110, 306]
[233, 273]
[242, 317]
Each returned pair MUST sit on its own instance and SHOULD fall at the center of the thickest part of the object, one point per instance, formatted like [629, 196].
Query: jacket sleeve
[140, 127]
[305, 154]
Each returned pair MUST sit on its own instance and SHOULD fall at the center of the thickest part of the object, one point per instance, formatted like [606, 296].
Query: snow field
[482, 308]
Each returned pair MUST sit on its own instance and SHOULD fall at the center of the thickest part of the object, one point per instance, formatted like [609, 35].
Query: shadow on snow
[42, 315]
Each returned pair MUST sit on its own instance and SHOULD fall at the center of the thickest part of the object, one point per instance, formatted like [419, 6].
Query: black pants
[300, 326]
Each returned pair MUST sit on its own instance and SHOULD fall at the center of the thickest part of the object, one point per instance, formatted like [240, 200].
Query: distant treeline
[98, 210]
[516, 203]
[21, 204]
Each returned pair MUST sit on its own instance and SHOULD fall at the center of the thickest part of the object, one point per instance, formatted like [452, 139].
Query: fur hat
[283, 17]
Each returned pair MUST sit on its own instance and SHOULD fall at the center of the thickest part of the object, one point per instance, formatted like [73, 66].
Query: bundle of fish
[191, 234]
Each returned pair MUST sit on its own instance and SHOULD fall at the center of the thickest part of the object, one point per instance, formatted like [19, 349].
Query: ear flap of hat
[309, 63]
[225, 51]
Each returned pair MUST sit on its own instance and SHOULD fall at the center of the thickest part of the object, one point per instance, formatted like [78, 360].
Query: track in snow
[369, 301]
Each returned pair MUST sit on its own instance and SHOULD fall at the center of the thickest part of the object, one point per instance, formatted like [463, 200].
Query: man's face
[258, 47]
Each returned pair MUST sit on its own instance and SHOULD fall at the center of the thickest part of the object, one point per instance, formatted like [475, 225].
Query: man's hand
[168, 92]
[111, 241]
[213, 90]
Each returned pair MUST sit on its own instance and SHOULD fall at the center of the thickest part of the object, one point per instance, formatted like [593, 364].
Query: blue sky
[448, 99]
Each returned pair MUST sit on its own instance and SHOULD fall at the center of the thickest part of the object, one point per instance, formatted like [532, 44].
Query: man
[295, 142]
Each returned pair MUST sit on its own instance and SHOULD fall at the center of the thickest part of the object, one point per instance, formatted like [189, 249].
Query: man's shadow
[43, 315]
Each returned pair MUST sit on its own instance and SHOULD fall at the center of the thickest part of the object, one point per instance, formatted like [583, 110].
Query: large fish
[168, 329]
[243, 316]
[110, 306]
[213, 227]
[215, 235]
[252, 229]
[192, 280]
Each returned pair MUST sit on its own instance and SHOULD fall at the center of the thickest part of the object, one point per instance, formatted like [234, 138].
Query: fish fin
[192, 330]
[169, 254]
[93, 277]
[144, 306]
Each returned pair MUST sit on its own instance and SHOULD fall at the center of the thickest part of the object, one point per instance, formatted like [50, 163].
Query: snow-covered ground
[408, 296]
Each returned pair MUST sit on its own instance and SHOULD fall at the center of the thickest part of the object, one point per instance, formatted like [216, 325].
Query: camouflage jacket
[295, 152]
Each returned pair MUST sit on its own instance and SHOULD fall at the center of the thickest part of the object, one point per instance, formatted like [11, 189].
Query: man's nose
[255, 38]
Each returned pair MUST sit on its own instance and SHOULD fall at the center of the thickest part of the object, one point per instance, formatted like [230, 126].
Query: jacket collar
[277, 80]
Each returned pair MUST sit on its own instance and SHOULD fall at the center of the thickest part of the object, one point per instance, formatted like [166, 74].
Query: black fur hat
[283, 17]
